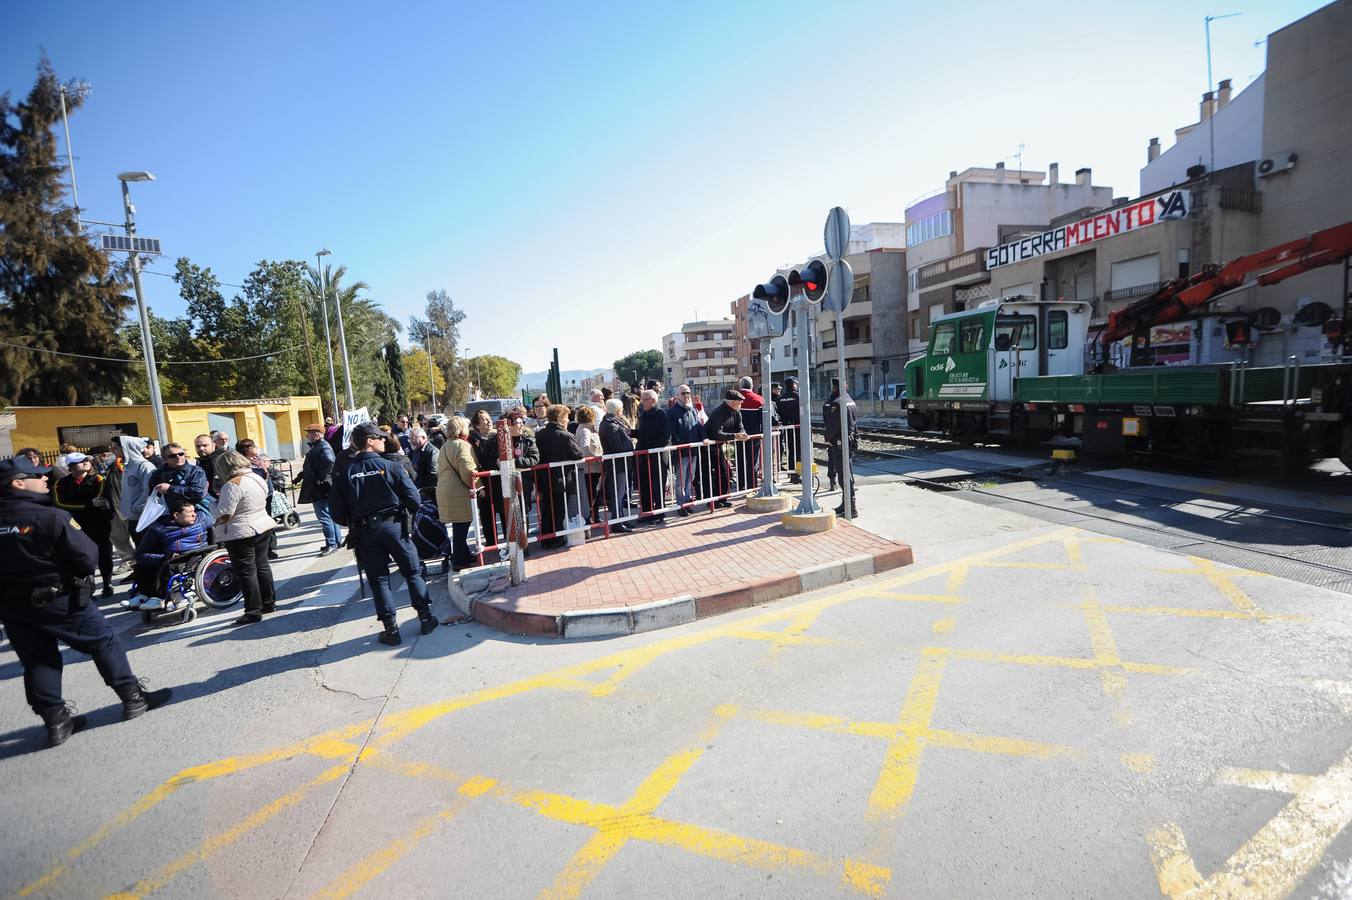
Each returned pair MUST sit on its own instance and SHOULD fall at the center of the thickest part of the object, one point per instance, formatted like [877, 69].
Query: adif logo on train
[947, 366]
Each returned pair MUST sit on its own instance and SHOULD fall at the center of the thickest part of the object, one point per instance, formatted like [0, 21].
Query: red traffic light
[811, 278]
[775, 293]
[1238, 333]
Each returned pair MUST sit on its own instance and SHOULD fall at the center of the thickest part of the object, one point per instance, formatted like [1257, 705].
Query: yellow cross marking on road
[1274, 861]
[1223, 580]
[1111, 671]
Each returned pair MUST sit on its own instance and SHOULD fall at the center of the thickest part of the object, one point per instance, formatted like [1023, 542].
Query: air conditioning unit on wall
[1273, 164]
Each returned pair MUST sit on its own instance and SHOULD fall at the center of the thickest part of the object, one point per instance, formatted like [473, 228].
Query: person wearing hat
[725, 424]
[46, 564]
[81, 493]
[374, 497]
[787, 405]
[316, 484]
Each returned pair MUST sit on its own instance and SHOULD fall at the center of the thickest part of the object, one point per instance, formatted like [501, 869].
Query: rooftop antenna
[1018, 156]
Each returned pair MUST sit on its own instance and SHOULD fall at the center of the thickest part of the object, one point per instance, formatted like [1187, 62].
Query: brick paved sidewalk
[721, 561]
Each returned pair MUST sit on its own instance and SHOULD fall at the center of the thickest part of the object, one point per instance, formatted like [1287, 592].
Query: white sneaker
[133, 602]
[152, 603]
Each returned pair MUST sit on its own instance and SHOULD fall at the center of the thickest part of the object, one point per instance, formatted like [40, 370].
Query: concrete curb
[469, 595]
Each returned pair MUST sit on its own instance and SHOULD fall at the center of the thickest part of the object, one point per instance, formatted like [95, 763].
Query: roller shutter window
[1136, 272]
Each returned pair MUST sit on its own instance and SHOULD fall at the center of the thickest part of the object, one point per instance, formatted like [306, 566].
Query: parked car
[894, 391]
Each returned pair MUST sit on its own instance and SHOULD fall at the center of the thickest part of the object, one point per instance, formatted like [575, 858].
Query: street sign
[761, 322]
[839, 285]
[837, 233]
[123, 244]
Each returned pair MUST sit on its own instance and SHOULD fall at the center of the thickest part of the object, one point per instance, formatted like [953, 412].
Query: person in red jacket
[748, 455]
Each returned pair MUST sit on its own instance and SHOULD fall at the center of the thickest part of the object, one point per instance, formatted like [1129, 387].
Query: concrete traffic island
[809, 523]
[777, 503]
[660, 576]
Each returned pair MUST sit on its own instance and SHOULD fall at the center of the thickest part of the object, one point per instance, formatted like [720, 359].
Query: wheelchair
[201, 573]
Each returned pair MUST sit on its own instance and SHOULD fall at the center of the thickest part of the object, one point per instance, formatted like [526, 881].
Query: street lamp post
[147, 345]
[342, 343]
[431, 374]
[328, 343]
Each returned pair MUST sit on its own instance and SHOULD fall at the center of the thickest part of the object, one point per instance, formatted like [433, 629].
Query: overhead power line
[192, 362]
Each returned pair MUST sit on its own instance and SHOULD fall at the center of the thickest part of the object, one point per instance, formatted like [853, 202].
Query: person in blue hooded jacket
[176, 531]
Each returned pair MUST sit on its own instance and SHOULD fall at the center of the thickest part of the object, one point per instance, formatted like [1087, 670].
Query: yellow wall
[36, 426]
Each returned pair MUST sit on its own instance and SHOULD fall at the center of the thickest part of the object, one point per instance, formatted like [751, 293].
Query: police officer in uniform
[374, 497]
[46, 582]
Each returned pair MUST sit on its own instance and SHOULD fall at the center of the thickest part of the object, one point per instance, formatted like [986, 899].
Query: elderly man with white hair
[615, 438]
[597, 401]
[424, 458]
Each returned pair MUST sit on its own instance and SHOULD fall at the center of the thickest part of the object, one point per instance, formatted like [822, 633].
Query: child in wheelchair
[177, 531]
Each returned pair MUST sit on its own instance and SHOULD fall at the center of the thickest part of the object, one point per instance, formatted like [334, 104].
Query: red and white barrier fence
[591, 496]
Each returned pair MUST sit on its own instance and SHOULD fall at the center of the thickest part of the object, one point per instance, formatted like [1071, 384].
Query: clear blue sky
[589, 176]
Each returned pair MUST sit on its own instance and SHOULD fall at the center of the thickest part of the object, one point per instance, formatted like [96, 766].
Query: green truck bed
[1197, 385]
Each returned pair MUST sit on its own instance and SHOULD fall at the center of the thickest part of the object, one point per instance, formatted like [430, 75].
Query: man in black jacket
[787, 405]
[424, 457]
[316, 483]
[46, 562]
[654, 432]
[831, 421]
[725, 424]
[375, 496]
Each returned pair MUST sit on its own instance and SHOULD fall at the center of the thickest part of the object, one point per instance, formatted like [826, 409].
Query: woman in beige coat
[456, 489]
[243, 523]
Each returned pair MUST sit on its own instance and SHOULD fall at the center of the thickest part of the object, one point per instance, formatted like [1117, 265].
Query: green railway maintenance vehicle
[1029, 370]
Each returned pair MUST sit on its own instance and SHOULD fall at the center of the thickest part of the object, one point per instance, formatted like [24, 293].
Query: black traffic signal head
[1238, 333]
[812, 278]
[775, 293]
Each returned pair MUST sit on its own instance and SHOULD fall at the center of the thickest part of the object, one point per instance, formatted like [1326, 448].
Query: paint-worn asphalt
[1029, 710]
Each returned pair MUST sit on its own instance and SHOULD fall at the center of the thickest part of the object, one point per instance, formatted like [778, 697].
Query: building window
[1058, 329]
[913, 279]
[927, 229]
[943, 338]
[971, 336]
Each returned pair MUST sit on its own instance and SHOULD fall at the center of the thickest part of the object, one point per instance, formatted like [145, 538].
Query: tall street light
[147, 345]
[328, 343]
[342, 342]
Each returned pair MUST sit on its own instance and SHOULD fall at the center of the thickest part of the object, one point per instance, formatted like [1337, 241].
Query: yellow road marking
[919, 598]
[1105, 652]
[711, 843]
[1140, 763]
[901, 768]
[1223, 580]
[1274, 861]
[1074, 567]
[1064, 662]
[217, 842]
[1196, 613]
[956, 579]
[321, 745]
[371, 866]
[621, 666]
[1263, 780]
[782, 638]
[943, 626]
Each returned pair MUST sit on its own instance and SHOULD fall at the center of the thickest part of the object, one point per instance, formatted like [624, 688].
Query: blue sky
[591, 176]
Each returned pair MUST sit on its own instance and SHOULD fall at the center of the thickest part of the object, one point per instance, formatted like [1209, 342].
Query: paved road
[1031, 709]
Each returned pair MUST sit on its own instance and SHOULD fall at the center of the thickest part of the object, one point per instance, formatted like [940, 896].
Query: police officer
[373, 497]
[46, 581]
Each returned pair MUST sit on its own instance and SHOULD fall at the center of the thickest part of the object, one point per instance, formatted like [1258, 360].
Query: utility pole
[342, 342]
[147, 345]
[81, 89]
[431, 374]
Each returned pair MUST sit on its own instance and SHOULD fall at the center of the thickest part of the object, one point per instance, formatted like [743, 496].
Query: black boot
[138, 701]
[61, 724]
[854, 511]
[429, 621]
[391, 634]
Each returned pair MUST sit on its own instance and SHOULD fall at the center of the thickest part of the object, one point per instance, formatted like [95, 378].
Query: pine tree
[57, 290]
[394, 359]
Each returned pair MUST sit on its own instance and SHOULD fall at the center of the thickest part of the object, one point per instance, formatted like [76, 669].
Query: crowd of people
[131, 505]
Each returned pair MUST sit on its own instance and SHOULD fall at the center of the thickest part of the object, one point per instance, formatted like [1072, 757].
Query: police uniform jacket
[787, 405]
[372, 487]
[40, 545]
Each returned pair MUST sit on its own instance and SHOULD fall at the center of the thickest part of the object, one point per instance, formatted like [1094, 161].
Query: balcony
[1130, 293]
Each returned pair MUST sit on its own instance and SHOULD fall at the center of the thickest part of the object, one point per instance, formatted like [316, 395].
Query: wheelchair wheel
[293, 519]
[217, 585]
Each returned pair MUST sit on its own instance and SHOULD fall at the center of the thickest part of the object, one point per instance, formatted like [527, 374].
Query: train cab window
[972, 336]
[1058, 329]
[943, 339]
[1020, 331]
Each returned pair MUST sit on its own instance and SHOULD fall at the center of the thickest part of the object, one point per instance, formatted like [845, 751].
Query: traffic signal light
[1238, 333]
[775, 293]
[812, 278]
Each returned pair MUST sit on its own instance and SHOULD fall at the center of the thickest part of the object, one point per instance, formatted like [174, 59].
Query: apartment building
[673, 358]
[949, 232]
[709, 354]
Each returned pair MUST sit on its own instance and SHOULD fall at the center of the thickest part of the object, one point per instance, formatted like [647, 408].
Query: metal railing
[590, 496]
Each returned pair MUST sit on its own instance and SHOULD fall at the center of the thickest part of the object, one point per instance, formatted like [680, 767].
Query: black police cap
[19, 467]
